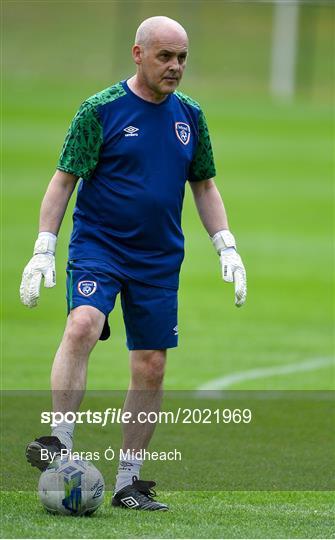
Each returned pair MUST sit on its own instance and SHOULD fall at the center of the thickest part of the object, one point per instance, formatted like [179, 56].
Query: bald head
[160, 53]
[159, 28]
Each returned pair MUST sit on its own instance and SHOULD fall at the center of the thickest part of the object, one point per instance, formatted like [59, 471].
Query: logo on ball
[183, 132]
[72, 489]
[87, 288]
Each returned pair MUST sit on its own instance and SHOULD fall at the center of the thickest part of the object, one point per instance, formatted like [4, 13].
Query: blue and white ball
[71, 487]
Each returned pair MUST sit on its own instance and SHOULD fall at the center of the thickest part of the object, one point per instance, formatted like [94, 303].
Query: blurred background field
[274, 162]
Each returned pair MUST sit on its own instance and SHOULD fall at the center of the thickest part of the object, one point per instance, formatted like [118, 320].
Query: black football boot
[33, 451]
[138, 496]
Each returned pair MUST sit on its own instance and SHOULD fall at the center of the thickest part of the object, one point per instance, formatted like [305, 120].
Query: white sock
[126, 471]
[64, 432]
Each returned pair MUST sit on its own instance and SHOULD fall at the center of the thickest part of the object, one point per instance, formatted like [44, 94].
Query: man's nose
[174, 65]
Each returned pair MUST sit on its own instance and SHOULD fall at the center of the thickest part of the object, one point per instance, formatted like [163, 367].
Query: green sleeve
[80, 153]
[202, 166]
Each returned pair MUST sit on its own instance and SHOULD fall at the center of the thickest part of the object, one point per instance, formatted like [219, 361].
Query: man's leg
[68, 376]
[69, 370]
[150, 317]
[144, 396]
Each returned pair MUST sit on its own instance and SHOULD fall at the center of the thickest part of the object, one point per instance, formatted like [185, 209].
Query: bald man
[133, 146]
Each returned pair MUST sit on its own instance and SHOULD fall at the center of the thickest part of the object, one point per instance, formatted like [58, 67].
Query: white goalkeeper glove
[231, 264]
[42, 264]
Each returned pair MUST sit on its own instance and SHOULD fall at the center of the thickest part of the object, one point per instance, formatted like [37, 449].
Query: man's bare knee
[84, 325]
[149, 367]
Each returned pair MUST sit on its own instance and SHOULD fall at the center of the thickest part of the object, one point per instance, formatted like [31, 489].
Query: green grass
[192, 515]
[275, 171]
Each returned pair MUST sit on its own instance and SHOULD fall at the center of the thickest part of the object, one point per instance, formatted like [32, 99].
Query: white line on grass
[222, 383]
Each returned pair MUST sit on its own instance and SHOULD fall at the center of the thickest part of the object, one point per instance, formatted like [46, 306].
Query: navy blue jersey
[134, 157]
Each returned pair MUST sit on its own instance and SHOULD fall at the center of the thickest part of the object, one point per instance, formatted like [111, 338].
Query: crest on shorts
[183, 132]
[87, 288]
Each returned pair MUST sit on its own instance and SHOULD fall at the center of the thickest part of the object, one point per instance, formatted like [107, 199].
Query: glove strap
[222, 240]
[45, 243]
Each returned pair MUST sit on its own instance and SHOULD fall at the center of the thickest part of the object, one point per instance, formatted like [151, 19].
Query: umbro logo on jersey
[183, 132]
[131, 131]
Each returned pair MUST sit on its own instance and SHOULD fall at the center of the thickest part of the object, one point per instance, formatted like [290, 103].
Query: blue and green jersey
[134, 158]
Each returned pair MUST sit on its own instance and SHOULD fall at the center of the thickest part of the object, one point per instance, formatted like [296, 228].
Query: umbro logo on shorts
[175, 330]
[131, 131]
[130, 502]
[87, 288]
[183, 132]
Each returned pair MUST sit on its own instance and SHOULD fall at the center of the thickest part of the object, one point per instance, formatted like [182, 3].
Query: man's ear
[137, 54]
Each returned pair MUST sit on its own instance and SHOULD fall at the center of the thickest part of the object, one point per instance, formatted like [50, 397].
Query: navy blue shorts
[149, 312]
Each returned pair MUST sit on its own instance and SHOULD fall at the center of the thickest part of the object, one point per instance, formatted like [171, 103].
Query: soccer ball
[71, 487]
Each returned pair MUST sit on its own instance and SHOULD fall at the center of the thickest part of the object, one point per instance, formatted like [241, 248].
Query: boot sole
[33, 455]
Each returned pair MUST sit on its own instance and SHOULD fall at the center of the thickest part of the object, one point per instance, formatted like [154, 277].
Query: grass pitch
[192, 515]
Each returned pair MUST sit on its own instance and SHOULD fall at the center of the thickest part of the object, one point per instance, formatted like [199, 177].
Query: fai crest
[86, 288]
[183, 132]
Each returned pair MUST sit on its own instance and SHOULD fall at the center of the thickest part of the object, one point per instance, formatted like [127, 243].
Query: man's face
[163, 63]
